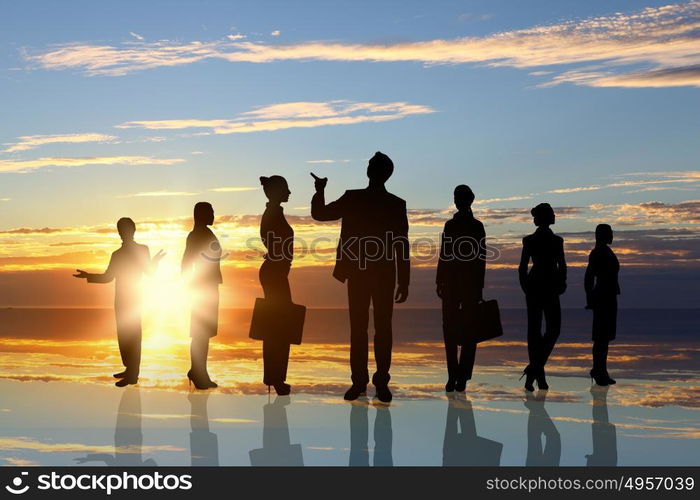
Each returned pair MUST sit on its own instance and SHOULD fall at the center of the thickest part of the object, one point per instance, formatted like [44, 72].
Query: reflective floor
[59, 423]
[59, 406]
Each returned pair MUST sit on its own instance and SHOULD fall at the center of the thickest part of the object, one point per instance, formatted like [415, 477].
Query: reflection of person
[602, 288]
[204, 444]
[277, 449]
[462, 446]
[543, 284]
[201, 268]
[540, 424]
[602, 431]
[372, 256]
[460, 282]
[359, 435]
[127, 266]
[278, 237]
[128, 437]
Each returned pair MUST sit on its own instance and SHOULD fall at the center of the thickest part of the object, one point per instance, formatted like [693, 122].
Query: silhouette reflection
[359, 435]
[204, 444]
[128, 437]
[277, 449]
[539, 452]
[462, 446]
[603, 432]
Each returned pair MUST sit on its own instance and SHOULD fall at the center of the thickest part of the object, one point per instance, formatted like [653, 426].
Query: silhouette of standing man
[460, 283]
[126, 266]
[201, 266]
[372, 256]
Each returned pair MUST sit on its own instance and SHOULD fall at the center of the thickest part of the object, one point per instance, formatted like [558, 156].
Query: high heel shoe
[529, 379]
[541, 380]
[199, 384]
[461, 385]
[600, 378]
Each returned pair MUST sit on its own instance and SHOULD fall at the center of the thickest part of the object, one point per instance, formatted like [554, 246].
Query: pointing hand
[319, 183]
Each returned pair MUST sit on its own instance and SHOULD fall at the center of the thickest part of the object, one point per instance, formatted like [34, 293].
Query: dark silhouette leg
[467, 356]
[275, 284]
[450, 317]
[534, 330]
[600, 356]
[358, 304]
[383, 306]
[552, 317]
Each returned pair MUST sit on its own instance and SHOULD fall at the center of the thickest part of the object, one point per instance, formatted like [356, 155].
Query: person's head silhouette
[543, 215]
[126, 229]
[603, 234]
[203, 214]
[379, 168]
[464, 197]
[276, 188]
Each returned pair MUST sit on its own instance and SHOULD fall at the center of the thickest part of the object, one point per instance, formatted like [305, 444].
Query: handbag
[481, 321]
[277, 321]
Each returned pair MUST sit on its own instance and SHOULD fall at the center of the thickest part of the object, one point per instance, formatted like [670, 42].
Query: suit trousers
[540, 345]
[375, 287]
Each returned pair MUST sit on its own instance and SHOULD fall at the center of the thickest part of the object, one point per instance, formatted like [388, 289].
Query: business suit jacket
[601, 278]
[548, 273]
[458, 269]
[372, 214]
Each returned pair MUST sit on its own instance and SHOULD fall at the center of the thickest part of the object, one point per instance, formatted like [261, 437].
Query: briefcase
[277, 321]
[482, 321]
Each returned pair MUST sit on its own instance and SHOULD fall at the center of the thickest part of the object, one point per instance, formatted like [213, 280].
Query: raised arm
[319, 210]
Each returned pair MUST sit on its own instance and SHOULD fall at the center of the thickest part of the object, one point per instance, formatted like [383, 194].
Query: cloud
[136, 35]
[158, 194]
[288, 115]
[29, 165]
[233, 189]
[679, 177]
[327, 161]
[235, 37]
[276, 33]
[656, 46]
[27, 142]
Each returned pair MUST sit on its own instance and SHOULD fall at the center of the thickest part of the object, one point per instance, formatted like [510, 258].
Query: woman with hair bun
[278, 237]
[542, 284]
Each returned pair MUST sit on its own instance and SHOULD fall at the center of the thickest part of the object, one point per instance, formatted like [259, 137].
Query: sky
[141, 109]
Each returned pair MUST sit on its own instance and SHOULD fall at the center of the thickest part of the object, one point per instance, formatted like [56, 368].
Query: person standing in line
[460, 283]
[127, 266]
[602, 288]
[201, 268]
[278, 237]
[373, 257]
[543, 283]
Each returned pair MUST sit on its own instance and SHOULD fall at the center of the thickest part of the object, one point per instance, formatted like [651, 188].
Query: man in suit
[126, 267]
[372, 256]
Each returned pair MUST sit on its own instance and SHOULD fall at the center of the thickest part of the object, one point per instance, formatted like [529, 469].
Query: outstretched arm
[105, 277]
[319, 210]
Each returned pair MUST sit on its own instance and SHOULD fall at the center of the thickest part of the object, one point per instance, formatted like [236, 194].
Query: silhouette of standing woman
[202, 271]
[460, 282]
[278, 238]
[602, 288]
[127, 266]
[543, 284]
